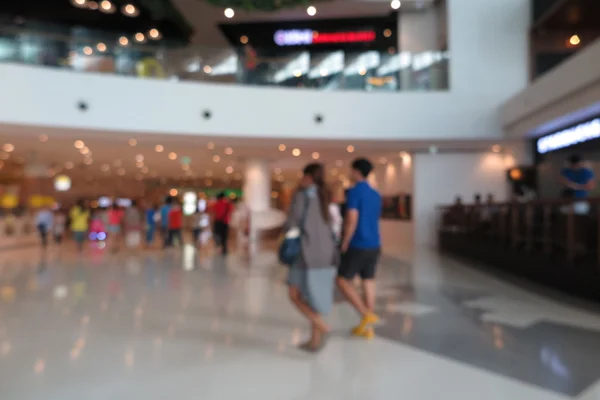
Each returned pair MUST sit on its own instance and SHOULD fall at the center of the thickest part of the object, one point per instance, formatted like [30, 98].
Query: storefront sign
[306, 37]
[568, 137]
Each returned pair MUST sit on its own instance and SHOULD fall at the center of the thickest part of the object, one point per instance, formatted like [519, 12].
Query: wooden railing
[556, 243]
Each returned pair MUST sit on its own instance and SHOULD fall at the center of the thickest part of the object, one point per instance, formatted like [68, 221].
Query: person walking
[60, 222]
[133, 225]
[43, 221]
[311, 277]
[175, 218]
[360, 247]
[80, 219]
[152, 216]
[115, 220]
[222, 210]
[164, 221]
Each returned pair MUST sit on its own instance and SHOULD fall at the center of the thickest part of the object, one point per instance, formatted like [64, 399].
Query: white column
[257, 196]
[257, 185]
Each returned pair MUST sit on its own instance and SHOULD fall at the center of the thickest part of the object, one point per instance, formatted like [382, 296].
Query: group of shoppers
[139, 222]
[325, 253]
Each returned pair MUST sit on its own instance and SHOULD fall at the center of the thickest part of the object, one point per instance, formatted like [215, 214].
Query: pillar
[257, 196]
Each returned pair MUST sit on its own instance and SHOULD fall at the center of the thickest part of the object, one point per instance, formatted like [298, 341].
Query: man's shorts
[359, 261]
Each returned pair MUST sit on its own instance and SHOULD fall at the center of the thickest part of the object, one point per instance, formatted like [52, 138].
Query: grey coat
[319, 249]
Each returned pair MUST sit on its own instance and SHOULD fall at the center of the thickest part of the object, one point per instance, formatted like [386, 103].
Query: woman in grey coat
[311, 278]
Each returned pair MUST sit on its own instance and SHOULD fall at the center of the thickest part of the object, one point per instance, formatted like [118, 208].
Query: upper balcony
[370, 70]
[418, 92]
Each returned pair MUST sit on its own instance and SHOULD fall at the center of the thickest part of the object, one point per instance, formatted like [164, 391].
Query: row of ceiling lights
[106, 6]
[153, 34]
[310, 10]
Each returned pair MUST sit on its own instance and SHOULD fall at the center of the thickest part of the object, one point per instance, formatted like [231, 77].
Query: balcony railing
[334, 70]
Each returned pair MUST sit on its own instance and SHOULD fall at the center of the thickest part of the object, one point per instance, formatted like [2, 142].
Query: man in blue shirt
[361, 246]
[577, 178]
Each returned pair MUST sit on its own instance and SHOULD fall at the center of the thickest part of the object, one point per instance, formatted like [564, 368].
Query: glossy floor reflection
[157, 325]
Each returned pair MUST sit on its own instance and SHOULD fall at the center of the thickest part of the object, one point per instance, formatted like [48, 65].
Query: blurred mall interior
[481, 120]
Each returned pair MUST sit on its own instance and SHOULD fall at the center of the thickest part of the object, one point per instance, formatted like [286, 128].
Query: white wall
[561, 97]
[440, 178]
[488, 50]
[397, 237]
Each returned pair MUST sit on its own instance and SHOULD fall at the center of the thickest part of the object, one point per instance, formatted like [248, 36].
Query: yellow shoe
[367, 333]
[368, 321]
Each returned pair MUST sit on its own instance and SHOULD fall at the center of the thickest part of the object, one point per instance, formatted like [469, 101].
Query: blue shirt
[164, 215]
[45, 218]
[367, 202]
[150, 221]
[579, 176]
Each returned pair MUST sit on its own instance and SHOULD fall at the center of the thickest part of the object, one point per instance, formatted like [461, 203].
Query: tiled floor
[157, 325]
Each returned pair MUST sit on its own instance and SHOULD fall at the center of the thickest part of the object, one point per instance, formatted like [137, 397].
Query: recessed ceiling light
[79, 3]
[210, 145]
[8, 147]
[387, 32]
[84, 150]
[87, 50]
[229, 13]
[159, 148]
[216, 158]
[43, 138]
[350, 149]
[315, 155]
[154, 34]
[311, 10]
[88, 161]
[496, 148]
[79, 144]
[121, 171]
[69, 165]
[207, 69]
[92, 5]
[139, 158]
[229, 169]
[107, 7]
[362, 71]
[173, 192]
[229, 151]
[172, 156]
[395, 4]
[139, 164]
[296, 152]
[132, 142]
[123, 41]
[297, 73]
[139, 37]
[282, 147]
[130, 10]
[243, 39]
[101, 47]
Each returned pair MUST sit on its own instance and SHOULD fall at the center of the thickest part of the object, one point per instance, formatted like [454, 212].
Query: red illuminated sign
[304, 37]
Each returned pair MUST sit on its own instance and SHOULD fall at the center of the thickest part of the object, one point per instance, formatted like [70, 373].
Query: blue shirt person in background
[577, 178]
[361, 246]
[164, 220]
[151, 217]
[44, 221]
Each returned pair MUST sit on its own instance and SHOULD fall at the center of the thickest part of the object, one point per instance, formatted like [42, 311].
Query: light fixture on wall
[574, 40]
[395, 4]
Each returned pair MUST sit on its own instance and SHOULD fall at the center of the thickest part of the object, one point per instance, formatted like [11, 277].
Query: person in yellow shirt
[80, 217]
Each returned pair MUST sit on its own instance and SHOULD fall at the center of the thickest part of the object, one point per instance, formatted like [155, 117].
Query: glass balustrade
[373, 71]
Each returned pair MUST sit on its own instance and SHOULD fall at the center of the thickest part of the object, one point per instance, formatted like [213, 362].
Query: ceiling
[112, 153]
[574, 16]
[204, 18]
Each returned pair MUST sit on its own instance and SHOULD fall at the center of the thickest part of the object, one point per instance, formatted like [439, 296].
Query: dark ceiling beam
[553, 9]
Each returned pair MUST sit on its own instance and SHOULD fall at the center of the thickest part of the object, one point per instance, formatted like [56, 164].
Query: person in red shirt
[175, 223]
[222, 216]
